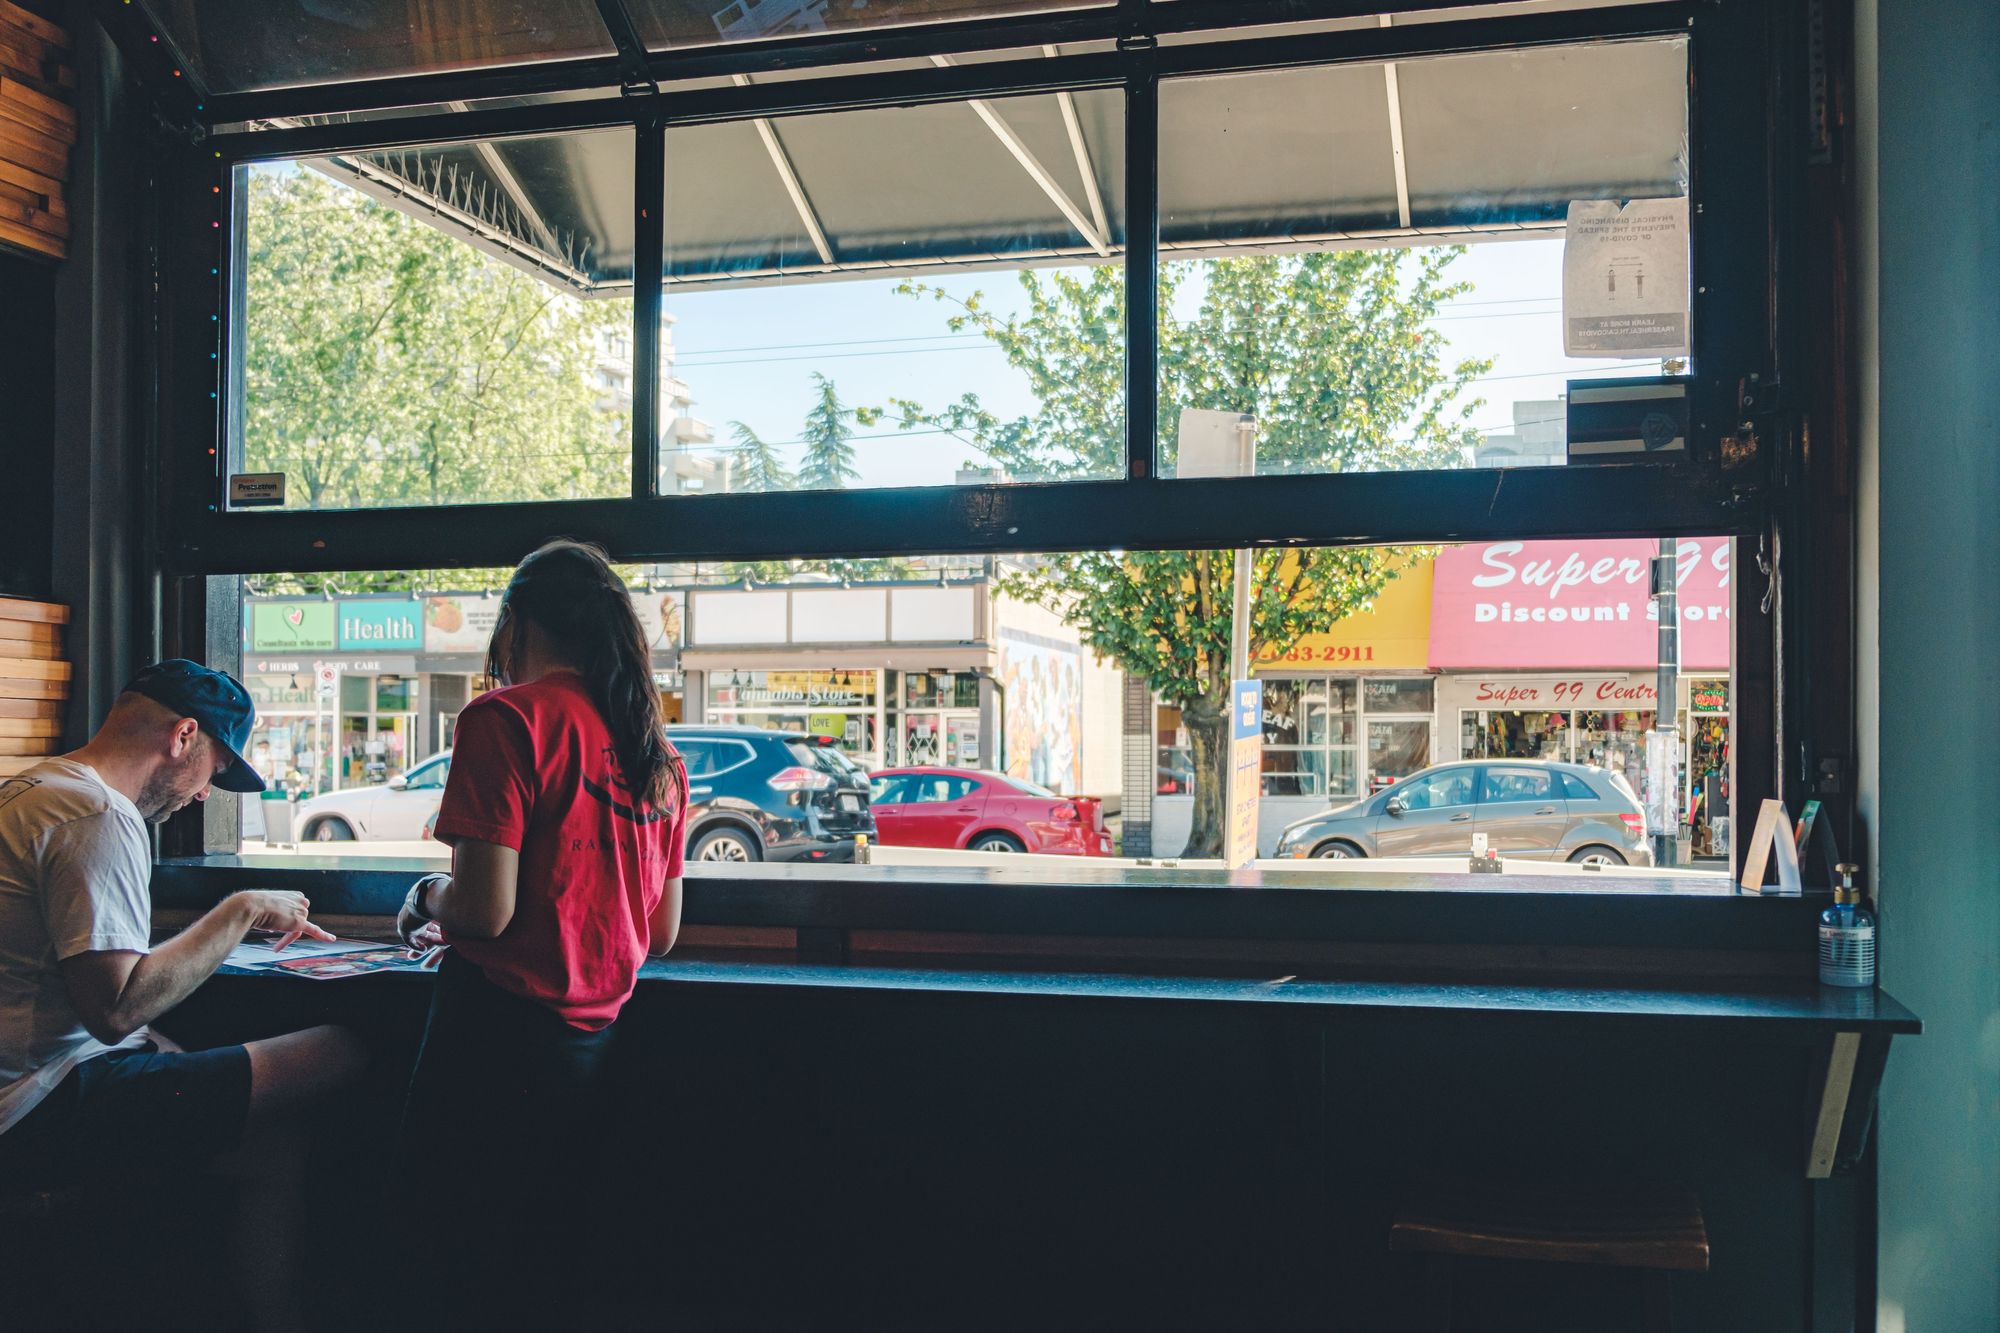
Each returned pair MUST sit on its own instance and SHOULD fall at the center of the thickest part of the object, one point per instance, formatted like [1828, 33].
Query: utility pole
[1663, 767]
[1239, 619]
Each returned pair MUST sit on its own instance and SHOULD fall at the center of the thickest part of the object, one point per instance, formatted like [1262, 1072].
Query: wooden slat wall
[34, 678]
[37, 130]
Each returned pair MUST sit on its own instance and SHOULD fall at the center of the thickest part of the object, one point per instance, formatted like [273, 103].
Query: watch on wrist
[413, 902]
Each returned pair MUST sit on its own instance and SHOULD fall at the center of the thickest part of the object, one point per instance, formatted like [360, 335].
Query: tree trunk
[1207, 723]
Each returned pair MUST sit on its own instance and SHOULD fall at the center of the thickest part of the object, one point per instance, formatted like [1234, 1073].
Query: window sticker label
[1625, 278]
[251, 490]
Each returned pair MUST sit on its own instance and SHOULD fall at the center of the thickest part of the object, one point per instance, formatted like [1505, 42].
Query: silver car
[1531, 810]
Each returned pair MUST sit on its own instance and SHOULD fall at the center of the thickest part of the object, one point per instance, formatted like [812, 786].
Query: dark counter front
[922, 1140]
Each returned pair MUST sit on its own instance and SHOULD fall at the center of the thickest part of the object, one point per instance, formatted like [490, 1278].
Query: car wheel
[996, 842]
[725, 844]
[332, 830]
[1595, 856]
[1337, 851]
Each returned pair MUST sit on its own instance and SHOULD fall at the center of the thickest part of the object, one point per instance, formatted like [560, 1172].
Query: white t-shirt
[75, 877]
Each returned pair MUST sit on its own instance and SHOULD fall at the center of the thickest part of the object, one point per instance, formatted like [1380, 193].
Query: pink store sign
[1571, 604]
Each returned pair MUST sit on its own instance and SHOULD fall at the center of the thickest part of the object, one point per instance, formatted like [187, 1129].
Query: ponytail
[569, 590]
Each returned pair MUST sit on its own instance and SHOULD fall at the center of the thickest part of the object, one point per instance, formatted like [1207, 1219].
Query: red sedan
[983, 812]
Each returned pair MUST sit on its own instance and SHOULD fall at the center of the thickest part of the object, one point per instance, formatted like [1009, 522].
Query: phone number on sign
[1328, 653]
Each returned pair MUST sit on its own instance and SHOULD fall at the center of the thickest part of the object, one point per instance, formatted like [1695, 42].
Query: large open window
[1408, 311]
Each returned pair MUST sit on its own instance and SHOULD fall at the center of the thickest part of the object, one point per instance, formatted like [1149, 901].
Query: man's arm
[117, 991]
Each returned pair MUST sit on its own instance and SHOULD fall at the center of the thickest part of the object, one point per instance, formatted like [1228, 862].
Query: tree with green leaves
[1331, 352]
[828, 464]
[386, 363]
[757, 466]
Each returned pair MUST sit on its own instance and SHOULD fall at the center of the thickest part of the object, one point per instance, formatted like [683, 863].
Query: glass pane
[246, 45]
[439, 327]
[1294, 773]
[924, 296]
[1333, 293]
[1398, 749]
[1342, 780]
[1397, 696]
[671, 23]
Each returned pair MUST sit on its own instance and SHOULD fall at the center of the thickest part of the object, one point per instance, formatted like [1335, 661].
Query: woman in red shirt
[565, 812]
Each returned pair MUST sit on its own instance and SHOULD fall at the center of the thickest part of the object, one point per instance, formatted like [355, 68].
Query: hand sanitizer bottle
[1847, 936]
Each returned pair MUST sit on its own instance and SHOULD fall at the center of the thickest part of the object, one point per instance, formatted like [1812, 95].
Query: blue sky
[749, 355]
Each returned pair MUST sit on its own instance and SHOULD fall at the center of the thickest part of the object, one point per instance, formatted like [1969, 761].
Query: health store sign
[381, 626]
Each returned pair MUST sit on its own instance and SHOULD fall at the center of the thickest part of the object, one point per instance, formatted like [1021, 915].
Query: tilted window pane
[1427, 263]
[676, 23]
[250, 45]
[440, 326]
[921, 296]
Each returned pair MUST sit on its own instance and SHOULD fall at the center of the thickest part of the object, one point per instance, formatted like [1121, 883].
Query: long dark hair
[568, 589]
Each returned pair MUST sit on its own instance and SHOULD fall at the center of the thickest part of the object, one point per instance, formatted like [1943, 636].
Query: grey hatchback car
[1528, 809]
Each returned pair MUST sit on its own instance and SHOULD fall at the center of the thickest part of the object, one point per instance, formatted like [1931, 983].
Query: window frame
[1723, 486]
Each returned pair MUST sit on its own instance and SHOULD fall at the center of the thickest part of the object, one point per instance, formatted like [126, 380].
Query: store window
[842, 704]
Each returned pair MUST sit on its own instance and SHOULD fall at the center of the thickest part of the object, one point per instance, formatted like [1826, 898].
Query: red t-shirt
[533, 768]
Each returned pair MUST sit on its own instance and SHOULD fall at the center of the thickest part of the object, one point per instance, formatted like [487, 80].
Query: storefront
[1346, 712]
[353, 691]
[1549, 650]
[945, 674]
[332, 722]
[845, 704]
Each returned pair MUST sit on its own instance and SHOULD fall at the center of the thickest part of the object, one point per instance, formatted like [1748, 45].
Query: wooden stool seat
[1636, 1227]
[1657, 1230]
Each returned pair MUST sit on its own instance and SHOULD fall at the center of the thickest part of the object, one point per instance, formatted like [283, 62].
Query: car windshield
[1624, 788]
[825, 758]
[1023, 785]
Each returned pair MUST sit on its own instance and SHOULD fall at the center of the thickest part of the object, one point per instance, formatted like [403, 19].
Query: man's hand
[280, 911]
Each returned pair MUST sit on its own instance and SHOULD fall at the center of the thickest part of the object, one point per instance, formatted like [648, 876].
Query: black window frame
[1738, 450]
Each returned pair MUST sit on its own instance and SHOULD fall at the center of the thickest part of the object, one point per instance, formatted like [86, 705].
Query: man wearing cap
[84, 1086]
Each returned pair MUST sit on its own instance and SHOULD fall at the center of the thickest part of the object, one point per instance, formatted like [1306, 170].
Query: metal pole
[1239, 616]
[1666, 598]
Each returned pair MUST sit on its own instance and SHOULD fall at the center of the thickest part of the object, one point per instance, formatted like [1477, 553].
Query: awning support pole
[782, 160]
[1395, 92]
[1084, 169]
[1040, 174]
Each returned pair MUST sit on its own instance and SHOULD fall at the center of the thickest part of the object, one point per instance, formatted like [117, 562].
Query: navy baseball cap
[216, 700]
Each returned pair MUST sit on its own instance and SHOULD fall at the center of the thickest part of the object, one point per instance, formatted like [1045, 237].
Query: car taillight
[1635, 823]
[800, 779]
[1064, 813]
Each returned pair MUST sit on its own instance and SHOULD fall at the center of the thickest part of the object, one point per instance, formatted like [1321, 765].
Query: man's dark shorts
[128, 1111]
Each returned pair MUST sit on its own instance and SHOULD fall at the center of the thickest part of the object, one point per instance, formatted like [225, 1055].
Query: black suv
[757, 795]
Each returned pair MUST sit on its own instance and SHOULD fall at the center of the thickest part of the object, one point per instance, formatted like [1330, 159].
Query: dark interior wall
[27, 409]
[27, 425]
[1938, 645]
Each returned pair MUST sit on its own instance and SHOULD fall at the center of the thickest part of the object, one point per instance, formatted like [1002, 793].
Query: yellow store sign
[1395, 635]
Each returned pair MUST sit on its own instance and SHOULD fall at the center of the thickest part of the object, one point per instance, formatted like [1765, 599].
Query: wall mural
[1044, 683]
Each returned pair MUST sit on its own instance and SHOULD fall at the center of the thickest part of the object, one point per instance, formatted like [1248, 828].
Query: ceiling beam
[1092, 233]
